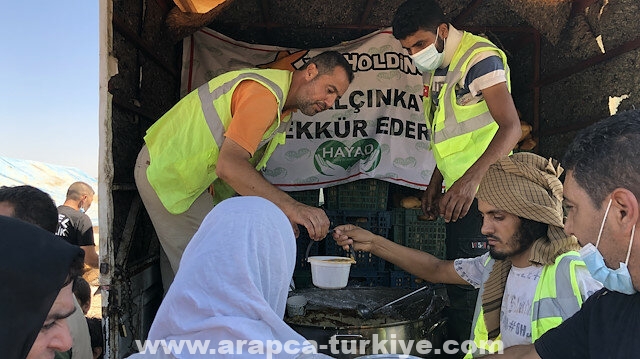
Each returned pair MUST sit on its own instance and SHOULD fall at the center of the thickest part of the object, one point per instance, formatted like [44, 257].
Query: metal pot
[332, 322]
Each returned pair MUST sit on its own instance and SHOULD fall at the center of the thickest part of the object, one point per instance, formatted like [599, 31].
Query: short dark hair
[414, 15]
[31, 205]
[604, 156]
[82, 290]
[327, 61]
[79, 189]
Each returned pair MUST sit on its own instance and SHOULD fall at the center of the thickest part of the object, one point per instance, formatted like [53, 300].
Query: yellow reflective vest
[460, 134]
[557, 298]
[185, 142]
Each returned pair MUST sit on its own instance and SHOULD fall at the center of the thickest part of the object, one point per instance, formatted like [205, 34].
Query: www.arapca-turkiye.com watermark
[271, 348]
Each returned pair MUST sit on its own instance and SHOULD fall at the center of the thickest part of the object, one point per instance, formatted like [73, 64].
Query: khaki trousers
[174, 230]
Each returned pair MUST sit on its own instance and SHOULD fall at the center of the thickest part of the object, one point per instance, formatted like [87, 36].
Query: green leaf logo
[276, 172]
[408, 162]
[295, 155]
[334, 156]
[422, 146]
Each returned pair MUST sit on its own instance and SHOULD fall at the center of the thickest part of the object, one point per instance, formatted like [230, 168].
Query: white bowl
[328, 274]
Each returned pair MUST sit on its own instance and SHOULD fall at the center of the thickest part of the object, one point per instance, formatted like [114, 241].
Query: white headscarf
[233, 280]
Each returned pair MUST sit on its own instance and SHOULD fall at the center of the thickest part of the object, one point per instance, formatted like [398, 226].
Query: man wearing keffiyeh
[531, 279]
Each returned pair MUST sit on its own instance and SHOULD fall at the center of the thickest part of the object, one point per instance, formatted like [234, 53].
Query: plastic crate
[368, 194]
[427, 236]
[310, 197]
[377, 222]
[378, 279]
[402, 279]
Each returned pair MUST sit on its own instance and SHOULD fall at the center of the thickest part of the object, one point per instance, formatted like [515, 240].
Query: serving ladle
[365, 313]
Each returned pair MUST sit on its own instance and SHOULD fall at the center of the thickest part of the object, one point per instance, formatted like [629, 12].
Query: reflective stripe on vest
[216, 126]
[184, 143]
[557, 298]
[461, 133]
[452, 127]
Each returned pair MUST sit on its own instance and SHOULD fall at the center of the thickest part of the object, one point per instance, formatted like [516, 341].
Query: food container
[295, 305]
[330, 272]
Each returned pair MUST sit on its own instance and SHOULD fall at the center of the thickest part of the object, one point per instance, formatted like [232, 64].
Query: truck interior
[572, 63]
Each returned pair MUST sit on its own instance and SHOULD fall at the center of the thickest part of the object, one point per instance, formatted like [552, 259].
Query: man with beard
[531, 279]
[211, 145]
[603, 212]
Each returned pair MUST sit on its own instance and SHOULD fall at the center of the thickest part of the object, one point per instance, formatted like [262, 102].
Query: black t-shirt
[607, 326]
[75, 226]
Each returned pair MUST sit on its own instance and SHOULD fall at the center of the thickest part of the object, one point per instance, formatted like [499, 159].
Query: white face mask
[429, 59]
[618, 280]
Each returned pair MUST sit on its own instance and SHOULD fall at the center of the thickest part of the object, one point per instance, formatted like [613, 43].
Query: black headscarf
[34, 266]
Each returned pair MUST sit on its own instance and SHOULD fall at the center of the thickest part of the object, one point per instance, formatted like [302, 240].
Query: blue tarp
[53, 179]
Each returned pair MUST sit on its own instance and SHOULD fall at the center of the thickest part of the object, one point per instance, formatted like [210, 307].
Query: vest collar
[453, 41]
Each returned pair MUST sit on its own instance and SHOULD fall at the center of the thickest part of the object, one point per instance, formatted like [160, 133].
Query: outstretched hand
[347, 234]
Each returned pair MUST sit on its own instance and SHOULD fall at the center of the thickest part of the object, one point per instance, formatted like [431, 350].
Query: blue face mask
[618, 280]
[428, 59]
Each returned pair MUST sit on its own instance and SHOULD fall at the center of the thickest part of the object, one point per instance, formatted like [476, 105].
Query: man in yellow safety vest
[213, 142]
[531, 279]
[473, 122]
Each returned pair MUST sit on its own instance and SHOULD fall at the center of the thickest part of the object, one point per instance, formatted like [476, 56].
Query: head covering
[34, 265]
[233, 279]
[526, 185]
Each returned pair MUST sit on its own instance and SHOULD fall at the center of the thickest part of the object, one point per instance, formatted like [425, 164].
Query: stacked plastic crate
[362, 203]
[413, 232]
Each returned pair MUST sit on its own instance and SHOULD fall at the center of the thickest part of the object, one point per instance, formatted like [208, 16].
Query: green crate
[427, 236]
[309, 197]
[369, 194]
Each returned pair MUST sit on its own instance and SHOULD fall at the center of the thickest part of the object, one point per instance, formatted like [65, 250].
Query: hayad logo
[333, 154]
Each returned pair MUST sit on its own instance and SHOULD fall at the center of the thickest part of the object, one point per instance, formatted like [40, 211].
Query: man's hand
[457, 200]
[432, 195]
[361, 239]
[430, 201]
[314, 219]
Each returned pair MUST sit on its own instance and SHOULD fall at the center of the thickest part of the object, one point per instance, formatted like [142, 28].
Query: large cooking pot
[332, 322]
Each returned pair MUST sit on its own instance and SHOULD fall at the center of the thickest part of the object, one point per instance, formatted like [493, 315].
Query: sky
[49, 82]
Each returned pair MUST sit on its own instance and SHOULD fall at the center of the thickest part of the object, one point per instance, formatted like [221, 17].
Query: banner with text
[375, 130]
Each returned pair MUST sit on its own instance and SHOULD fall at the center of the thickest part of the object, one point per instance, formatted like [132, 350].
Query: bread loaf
[410, 202]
